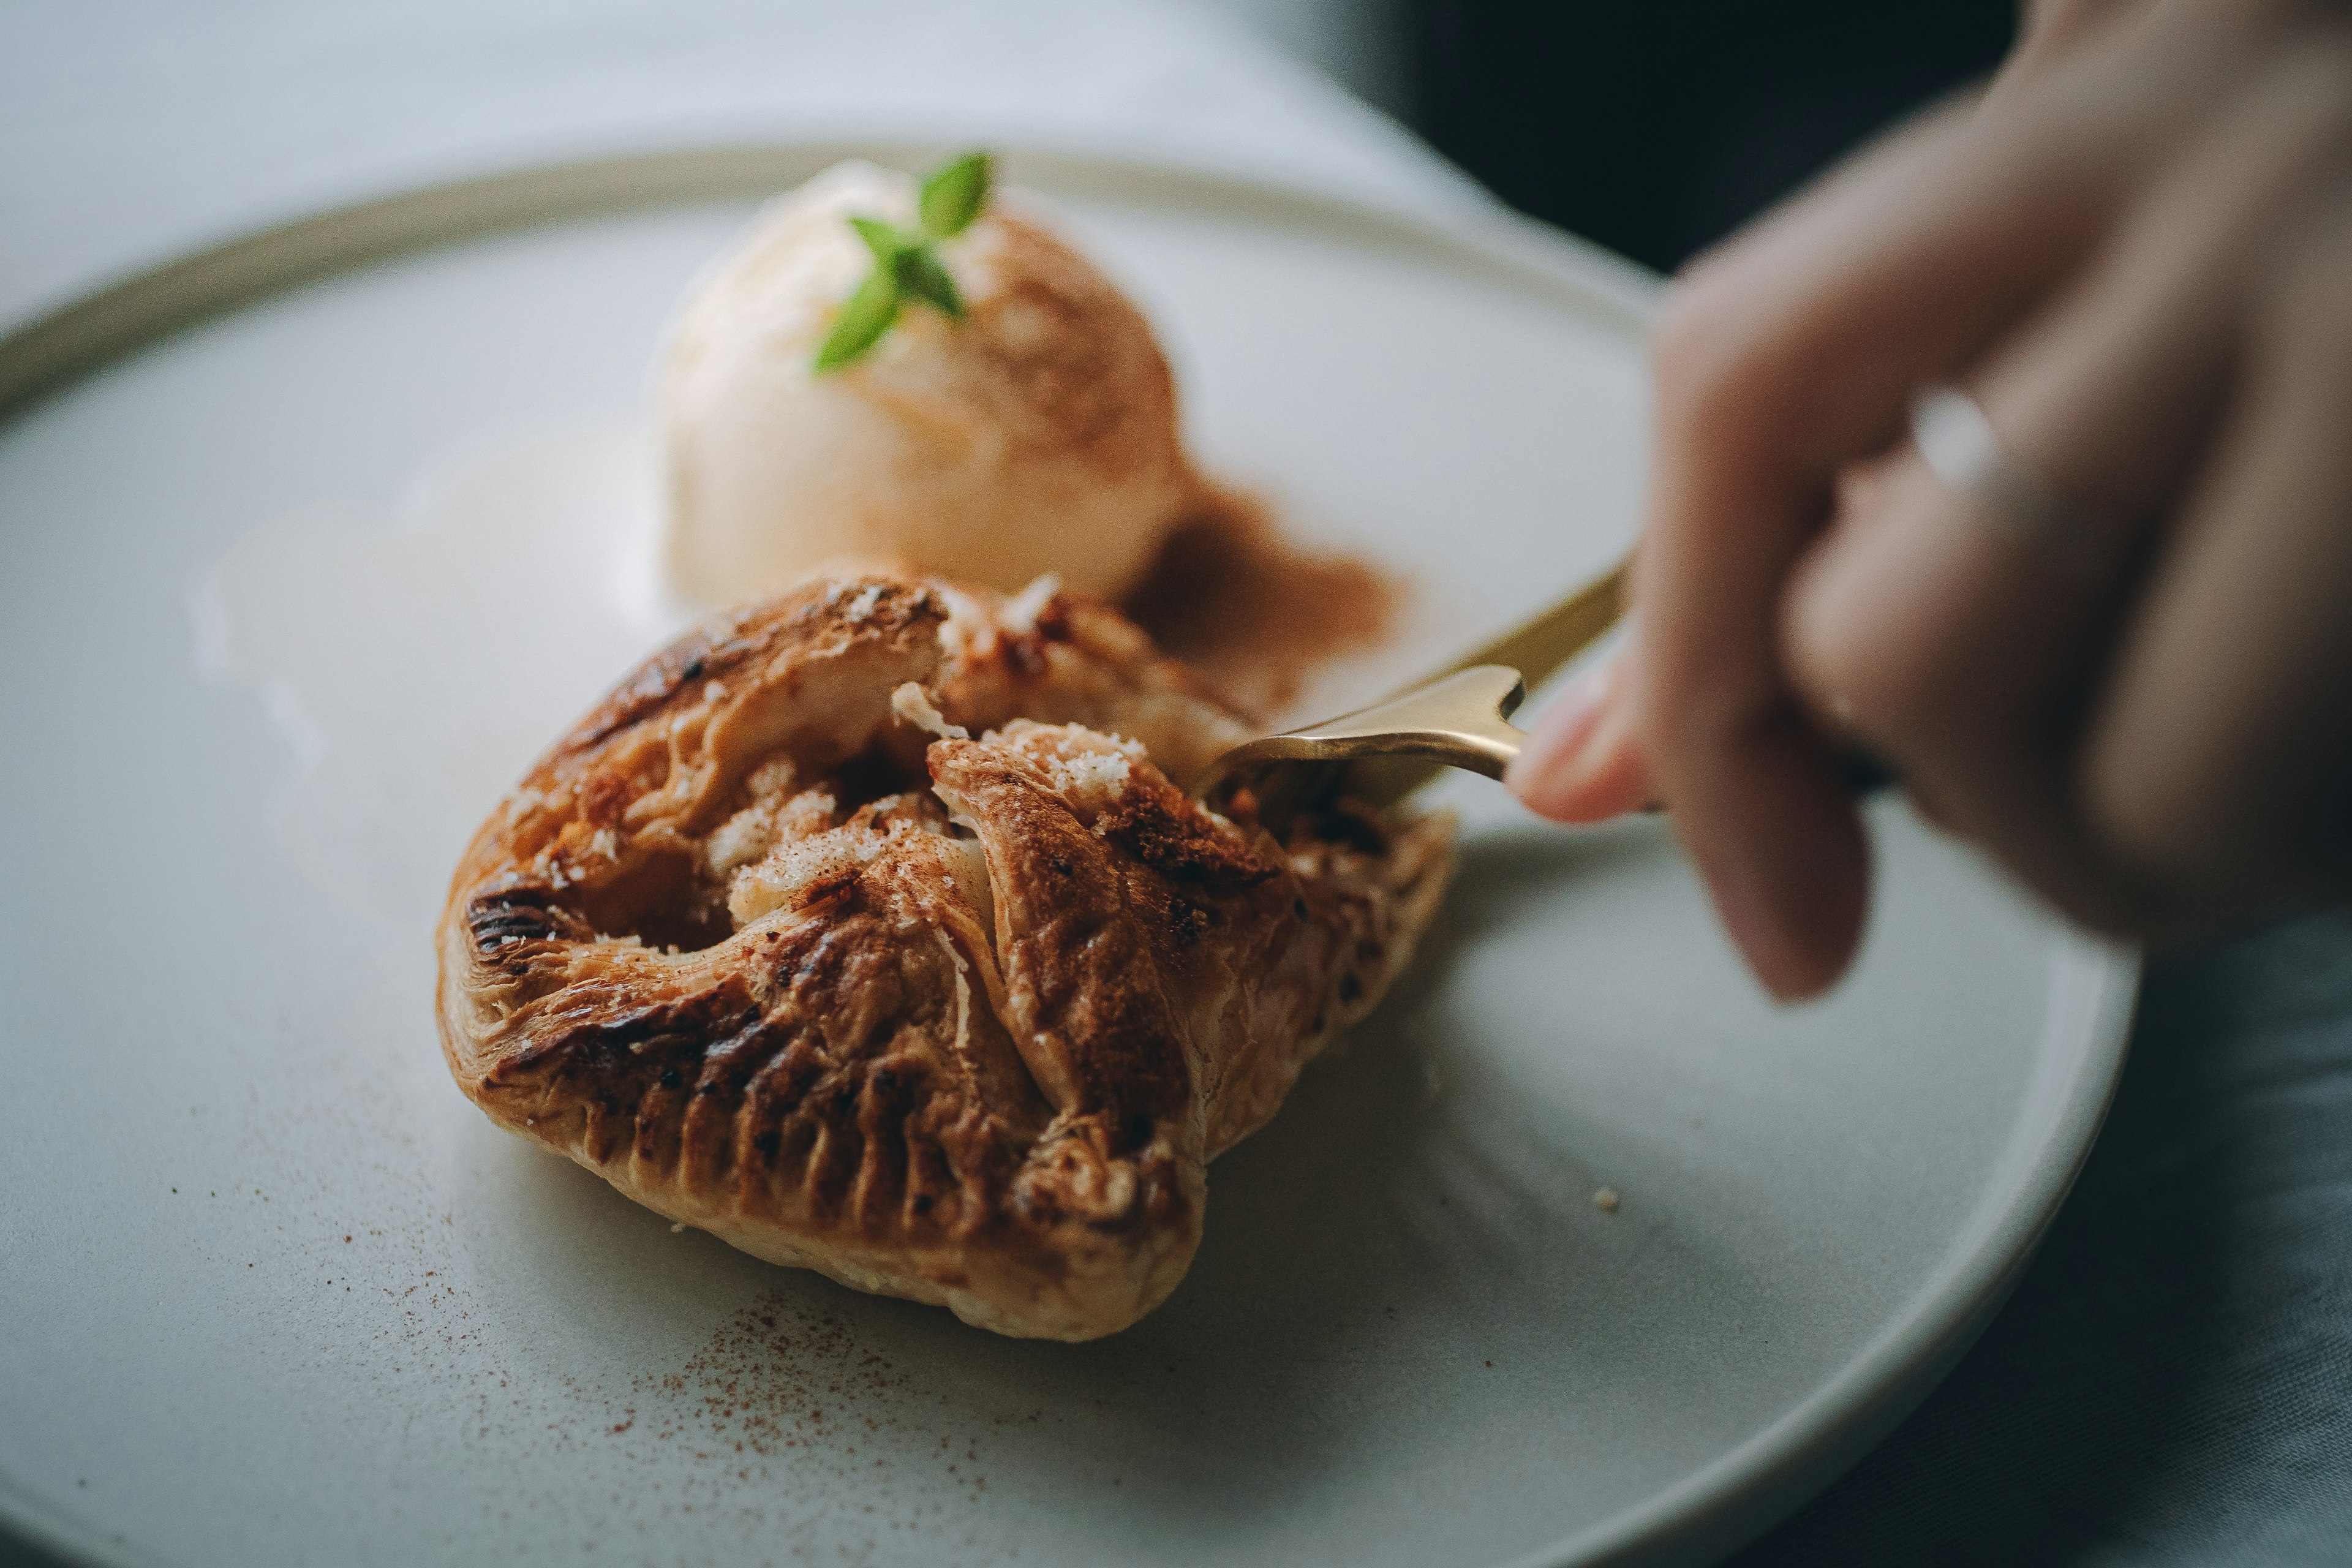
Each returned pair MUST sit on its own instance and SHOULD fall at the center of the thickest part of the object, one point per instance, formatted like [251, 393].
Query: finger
[2050, 30]
[2219, 759]
[1784, 359]
[1580, 763]
[1584, 762]
[1965, 653]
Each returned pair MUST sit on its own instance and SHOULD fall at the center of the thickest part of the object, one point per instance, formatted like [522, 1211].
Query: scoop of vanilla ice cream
[1036, 435]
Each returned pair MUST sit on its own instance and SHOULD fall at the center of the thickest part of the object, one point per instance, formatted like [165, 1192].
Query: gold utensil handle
[1538, 646]
[1454, 718]
[1535, 649]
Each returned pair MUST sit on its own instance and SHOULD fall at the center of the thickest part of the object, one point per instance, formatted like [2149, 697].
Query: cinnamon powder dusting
[1228, 595]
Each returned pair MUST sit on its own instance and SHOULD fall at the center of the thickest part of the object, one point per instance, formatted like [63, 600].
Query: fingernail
[1546, 773]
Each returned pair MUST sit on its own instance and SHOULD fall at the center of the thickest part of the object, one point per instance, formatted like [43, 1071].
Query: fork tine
[1453, 718]
[1458, 720]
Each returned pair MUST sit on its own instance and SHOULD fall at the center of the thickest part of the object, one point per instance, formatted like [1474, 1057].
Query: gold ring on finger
[1960, 447]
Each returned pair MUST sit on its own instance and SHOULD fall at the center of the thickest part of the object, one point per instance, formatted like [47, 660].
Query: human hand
[2135, 251]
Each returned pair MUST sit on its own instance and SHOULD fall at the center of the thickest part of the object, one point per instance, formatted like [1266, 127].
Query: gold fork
[1457, 717]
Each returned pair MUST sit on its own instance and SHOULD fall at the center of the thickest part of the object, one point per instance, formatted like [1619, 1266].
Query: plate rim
[1788, 1463]
[47, 353]
[1712, 1511]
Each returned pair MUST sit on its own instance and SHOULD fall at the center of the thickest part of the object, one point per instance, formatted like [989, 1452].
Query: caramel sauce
[1257, 615]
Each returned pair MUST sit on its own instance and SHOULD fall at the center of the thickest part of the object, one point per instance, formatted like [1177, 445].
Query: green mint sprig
[905, 266]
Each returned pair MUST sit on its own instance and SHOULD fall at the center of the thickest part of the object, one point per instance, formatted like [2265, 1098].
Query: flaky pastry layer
[865, 929]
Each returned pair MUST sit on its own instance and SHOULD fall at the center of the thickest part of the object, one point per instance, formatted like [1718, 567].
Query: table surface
[2172, 1382]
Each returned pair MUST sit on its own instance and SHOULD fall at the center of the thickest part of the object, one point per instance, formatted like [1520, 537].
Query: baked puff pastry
[865, 929]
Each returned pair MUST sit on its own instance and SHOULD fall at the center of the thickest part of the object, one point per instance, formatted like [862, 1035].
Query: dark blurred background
[1656, 127]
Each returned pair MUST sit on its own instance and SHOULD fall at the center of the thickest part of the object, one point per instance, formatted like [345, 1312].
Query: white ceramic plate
[274, 1292]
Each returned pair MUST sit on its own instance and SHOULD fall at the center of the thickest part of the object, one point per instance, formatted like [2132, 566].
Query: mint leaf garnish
[905, 266]
[862, 321]
[954, 193]
[884, 240]
[919, 275]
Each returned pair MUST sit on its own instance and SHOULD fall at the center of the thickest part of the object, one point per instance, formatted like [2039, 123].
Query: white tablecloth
[135, 130]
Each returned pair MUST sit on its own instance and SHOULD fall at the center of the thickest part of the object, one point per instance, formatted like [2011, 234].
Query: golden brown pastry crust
[956, 1019]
